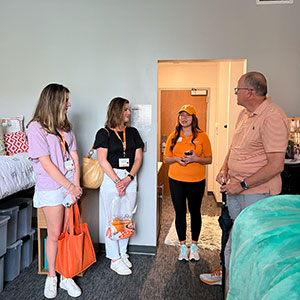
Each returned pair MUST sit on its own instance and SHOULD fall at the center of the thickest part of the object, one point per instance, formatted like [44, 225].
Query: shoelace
[193, 249]
[51, 285]
[125, 259]
[216, 273]
[183, 249]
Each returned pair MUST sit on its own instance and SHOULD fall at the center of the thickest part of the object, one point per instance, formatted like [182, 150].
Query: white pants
[108, 192]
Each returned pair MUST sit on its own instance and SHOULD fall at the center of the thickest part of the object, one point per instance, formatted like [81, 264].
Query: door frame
[159, 120]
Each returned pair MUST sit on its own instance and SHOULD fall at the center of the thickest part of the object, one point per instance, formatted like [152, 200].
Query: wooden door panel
[171, 101]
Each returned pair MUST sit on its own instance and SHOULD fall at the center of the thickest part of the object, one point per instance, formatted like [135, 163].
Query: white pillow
[2, 143]
[13, 124]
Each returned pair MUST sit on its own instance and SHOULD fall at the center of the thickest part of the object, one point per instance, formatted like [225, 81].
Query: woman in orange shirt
[187, 152]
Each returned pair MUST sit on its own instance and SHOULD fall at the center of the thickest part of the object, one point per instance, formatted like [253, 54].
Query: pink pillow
[16, 142]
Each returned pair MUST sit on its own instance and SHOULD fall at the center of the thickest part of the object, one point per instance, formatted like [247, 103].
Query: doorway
[171, 101]
[218, 77]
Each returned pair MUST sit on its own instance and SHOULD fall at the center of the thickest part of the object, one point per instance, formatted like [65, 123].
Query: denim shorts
[53, 197]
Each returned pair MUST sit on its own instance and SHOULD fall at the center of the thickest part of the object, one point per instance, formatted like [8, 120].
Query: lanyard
[63, 142]
[123, 142]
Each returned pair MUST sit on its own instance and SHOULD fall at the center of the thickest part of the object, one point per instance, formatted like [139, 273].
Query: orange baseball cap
[188, 108]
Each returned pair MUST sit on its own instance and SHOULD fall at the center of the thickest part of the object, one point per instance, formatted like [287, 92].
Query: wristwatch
[130, 176]
[244, 185]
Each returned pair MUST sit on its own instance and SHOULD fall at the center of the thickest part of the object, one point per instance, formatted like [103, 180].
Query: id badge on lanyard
[124, 161]
[68, 162]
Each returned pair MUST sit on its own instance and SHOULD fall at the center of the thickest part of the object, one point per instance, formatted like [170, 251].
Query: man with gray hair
[252, 166]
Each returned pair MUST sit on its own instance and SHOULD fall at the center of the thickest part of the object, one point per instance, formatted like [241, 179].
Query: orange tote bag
[75, 251]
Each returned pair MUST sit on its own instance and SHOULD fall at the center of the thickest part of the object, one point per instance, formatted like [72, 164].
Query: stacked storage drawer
[12, 226]
[3, 244]
[19, 250]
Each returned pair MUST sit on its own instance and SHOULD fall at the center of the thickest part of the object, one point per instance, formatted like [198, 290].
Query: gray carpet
[154, 277]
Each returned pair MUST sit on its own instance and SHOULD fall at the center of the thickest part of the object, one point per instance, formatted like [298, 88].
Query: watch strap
[130, 176]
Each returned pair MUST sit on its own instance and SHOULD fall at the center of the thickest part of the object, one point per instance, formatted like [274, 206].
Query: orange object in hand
[75, 251]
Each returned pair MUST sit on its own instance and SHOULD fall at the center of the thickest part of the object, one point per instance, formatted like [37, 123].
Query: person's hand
[190, 158]
[75, 192]
[122, 184]
[181, 161]
[233, 188]
[222, 177]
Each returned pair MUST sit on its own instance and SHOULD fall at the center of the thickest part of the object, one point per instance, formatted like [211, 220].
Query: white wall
[101, 49]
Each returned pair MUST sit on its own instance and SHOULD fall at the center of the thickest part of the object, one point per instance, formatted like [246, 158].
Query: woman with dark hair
[53, 150]
[187, 152]
[119, 153]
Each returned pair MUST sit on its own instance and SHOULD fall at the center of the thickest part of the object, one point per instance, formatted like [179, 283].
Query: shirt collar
[260, 108]
[182, 135]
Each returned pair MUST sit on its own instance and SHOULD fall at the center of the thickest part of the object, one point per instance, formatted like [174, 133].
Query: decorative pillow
[2, 144]
[16, 142]
[13, 124]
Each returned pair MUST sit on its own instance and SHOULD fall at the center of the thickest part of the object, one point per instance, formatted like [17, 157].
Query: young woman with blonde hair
[53, 150]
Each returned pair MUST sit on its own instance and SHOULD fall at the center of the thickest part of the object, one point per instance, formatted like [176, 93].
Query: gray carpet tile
[154, 277]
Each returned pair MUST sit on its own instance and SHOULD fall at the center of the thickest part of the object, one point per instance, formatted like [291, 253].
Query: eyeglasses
[237, 89]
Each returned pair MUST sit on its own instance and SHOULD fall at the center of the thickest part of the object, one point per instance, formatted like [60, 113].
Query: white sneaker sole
[121, 273]
[194, 258]
[183, 258]
[216, 282]
[74, 295]
[50, 297]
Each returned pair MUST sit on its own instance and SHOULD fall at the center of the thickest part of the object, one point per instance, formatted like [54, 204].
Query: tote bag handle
[74, 219]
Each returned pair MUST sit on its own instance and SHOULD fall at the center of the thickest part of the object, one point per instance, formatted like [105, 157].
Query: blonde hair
[115, 112]
[50, 110]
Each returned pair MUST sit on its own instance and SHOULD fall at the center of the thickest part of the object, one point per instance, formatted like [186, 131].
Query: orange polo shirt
[192, 172]
[264, 131]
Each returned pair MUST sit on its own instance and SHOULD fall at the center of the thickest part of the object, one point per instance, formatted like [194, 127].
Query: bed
[16, 170]
[16, 174]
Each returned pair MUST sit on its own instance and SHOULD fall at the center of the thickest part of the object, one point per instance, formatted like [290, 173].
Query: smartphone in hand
[188, 153]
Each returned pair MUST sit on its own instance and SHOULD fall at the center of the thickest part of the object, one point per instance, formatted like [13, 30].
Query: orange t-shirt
[192, 172]
[264, 131]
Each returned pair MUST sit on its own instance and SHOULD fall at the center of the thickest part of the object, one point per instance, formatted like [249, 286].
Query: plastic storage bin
[12, 224]
[27, 250]
[1, 273]
[12, 261]
[24, 215]
[3, 234]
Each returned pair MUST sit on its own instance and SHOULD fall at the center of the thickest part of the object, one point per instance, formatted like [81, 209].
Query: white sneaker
[50, 290]
[194, 254]
[120, 267]
[183, 253]
[70, 286]
[125, 260]
[214, 278]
